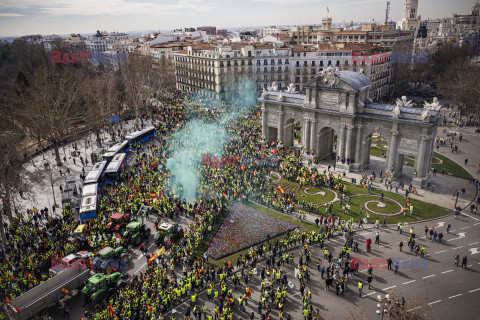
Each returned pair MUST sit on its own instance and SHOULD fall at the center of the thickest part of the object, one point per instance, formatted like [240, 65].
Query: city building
[205, 69]
[211, 31]
[222, 32]
[103, 42]
[410, 19]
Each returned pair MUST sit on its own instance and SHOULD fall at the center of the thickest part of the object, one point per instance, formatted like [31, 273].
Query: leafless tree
[99, 103]
[49, 106]
[459, 83]
[140, 82]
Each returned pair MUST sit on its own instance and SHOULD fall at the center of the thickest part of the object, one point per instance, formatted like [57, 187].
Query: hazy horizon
[24, 17]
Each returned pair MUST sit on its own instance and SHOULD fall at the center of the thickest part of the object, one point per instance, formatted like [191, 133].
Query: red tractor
[118, 221]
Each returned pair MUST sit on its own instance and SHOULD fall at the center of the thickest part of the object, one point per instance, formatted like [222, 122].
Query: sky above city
[21, 17]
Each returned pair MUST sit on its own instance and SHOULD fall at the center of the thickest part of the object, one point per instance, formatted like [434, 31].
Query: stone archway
[289, 133]
[326, 143]
[339, 100]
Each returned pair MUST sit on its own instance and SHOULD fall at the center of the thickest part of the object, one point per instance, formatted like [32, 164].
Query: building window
[258, 62]
[298, 63]
[313, 63]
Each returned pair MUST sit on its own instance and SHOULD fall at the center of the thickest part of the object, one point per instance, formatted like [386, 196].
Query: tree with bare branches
[50, 106]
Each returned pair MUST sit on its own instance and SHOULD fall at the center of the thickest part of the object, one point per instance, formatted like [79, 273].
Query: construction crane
[387, 11]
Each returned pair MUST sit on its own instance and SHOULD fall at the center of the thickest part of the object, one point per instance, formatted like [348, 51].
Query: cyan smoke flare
[199, 137]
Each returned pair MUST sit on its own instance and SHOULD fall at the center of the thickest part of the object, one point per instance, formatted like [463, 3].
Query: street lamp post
[382, 305]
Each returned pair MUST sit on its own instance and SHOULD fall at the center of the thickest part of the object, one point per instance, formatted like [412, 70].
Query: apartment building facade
[208, 69]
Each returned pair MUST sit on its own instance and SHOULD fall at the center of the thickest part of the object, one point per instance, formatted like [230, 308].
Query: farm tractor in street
[168, 233]
[100, 286]
[109, 259]
[137, 231]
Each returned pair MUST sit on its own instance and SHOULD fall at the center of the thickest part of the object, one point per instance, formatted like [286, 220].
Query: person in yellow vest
[305, 313]
[360, 287]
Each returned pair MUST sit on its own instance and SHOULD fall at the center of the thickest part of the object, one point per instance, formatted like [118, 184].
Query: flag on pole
[328, 10]
[149, 308]
[161, 251]
[249, 292]
[281, 189]
[8, 300]
[65, 291]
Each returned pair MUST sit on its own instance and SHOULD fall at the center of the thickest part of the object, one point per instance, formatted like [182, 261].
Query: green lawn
[421, 210]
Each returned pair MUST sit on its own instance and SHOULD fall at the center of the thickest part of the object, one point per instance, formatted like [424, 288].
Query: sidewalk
[40, 195]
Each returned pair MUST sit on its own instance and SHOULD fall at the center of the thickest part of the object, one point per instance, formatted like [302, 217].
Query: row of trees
[44, 103]
[451, 66]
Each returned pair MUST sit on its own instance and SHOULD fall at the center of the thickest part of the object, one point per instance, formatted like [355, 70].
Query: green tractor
[101, 285]
[168, 233]
[108, 257]
[137, 231]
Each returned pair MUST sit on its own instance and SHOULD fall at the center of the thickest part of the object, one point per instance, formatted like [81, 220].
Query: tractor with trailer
[137, 231]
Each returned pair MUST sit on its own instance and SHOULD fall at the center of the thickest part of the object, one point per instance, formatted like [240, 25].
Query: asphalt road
[435, 284]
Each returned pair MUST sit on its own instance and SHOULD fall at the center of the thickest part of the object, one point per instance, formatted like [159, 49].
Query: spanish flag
[152, 258]
[249, 292]
[281, 189]
[65, 291]
[110, 308]
[149, 308]
[8, 300]
[328, 10]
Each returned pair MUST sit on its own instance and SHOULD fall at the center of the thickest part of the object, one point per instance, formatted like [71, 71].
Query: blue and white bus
[120, 147]
[115, 168]
[95, 176]
[140, 136]
[88, 208]
[90, 190]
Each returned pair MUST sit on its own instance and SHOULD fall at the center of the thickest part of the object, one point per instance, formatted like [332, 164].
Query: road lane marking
[434, 302]
[432, 275]
[457, 247]
[457, 295]
[473, 290]
[366, 295]
[409, 282]
[447, 271]
[440, 251]
[469, 266]
[471, 244]
[414, 308]
[389, 288]
[465, 227]
[470, 217]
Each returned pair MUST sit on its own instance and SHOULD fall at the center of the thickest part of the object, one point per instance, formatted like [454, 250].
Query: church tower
[410, 19]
